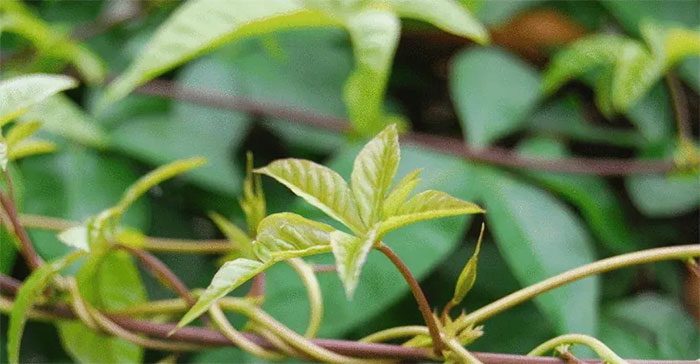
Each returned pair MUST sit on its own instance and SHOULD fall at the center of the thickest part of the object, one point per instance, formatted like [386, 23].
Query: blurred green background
[538, 223]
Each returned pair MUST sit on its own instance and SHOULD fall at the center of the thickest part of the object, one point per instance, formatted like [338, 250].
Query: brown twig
[257, 288]
[423, 304]
[680, 106]
[446, 145]
[26, 248]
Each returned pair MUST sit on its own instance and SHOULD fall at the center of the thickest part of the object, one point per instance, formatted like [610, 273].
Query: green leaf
[539, 237]
[319, 186]
[109, 281]
[427, 205]
[8, 250]
[423, 247]
[467, 277]
[19, 93]
[590, 194]
[636, 70]
[21, 132]
[653, 116]
[660, 322]
[286, 235]
[400, 192]
[447, 15]
[192, 31]
[234, 234]
[350, 254]
[155, 177]
[580, 57]
[29, 292]
[30, 147]
[375, 35]
[229, 277]
[64, 117]
[4, 155]
[372, 174]
[493, 93]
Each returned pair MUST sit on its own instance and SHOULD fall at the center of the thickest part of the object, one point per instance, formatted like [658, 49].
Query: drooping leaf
[63, 117]
[427, 205]
[375, 35]
[350, 255]
[447, 15]
[493, 93]
[539, 237]
[373, 172]
[19, 93]
[287, 235]
[192, 31]
[319, 186]
[234, 234]
[636, 70]
[32, 289]
[229, 277]
[400, 192]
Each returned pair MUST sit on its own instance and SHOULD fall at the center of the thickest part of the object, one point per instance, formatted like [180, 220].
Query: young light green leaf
[319, 186]
[155, 177]
[467, 277]
[350, 255]
[400, 193]
[21, 131]
[287, 235]
[19, 93]
[253, 202]
[375, 35]
[29, 147]
[234, 234]
[428, 205]
[580, 57]
[76, 237]
[636, 70]
[447, 15]
[192, 31]
[229, 277]
[373, 172]
[4, 155]
[32, 288]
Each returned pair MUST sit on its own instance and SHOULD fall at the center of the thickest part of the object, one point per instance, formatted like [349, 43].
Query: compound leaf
[400, 192]
[287, 235]
[350, 255]
[319, 186]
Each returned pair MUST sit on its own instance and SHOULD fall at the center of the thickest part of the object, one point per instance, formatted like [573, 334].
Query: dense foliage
[134, 119]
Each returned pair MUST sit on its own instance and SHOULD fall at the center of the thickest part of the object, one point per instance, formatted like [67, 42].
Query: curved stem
[463, 354]
[680, 107]
[313, 292]
[26, 248]
[423, 304]
[596, 345]
[681, 252]
[395, 333]
[221, 322]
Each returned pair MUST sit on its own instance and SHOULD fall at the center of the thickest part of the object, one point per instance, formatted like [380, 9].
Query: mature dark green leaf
[653, 116]
[651, 326]
[539, 237]
[592, 195]
[493, 92]
[86, 345]
[29, 292]
[8, 250]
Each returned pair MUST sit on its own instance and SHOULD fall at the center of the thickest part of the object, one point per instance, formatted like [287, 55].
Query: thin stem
[395, 333]
[152, 244]
[596, 345]
[681, 252]
[257, 287]
[680, 107]
[446, 145]
[418, 294]
[26, 248]
[221, 322]
[313, 292]
[462, 354]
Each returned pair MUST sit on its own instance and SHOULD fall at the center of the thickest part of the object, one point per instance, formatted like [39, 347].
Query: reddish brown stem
[257, 289]
[26, 248]
[423, 304]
